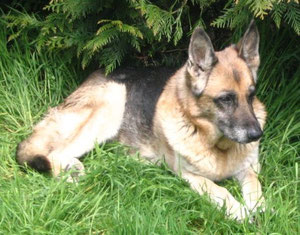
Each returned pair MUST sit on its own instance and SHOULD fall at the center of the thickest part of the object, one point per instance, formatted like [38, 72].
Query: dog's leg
[217, 194]
[101, 124]
[56, 131]
[96, 128]
[92, 114]
[251, 189]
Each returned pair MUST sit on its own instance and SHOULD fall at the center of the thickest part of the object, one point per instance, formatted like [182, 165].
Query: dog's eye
[251, 96]
[226, 99]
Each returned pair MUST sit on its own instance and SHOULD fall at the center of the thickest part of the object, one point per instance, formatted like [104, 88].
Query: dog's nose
[254, 133]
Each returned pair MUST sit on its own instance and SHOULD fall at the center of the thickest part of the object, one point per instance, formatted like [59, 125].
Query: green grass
[121, 195]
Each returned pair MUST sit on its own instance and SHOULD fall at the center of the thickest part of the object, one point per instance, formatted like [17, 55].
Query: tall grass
[121, 195]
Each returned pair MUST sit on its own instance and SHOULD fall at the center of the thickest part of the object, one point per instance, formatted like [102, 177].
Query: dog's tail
[31, 154]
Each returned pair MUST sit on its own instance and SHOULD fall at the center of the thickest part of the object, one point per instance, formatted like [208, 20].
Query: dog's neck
[224, 143]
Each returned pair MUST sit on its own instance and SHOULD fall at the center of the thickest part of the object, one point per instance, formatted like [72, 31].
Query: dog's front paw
[75, 169]
[257, 205]
[238, 212]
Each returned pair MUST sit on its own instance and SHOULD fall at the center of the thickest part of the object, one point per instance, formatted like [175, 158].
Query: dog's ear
[248, 48]
[201, 60]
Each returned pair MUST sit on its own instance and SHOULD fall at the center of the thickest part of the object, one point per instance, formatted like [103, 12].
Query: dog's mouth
[227, 141]
[243, 135]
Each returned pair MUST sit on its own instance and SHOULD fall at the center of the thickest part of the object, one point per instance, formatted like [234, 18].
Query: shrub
[141, 31]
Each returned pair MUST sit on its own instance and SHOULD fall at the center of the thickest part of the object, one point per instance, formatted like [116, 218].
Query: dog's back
[143, 88]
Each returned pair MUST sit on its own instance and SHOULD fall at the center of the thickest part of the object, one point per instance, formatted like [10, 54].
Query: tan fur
[68, 131]
[208, 156]
[184, 133]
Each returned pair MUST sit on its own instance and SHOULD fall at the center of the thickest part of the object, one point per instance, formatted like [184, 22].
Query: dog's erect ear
[201, 60]
[201, 51]
[248, 48]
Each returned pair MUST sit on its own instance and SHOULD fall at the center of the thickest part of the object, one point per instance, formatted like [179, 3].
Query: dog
[203, 120]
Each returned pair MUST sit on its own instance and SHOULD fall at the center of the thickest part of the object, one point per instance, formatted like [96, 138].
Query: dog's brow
[227, 92]
[236, 75]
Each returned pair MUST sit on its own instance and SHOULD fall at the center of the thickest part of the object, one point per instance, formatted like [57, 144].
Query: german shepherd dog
[203, 120]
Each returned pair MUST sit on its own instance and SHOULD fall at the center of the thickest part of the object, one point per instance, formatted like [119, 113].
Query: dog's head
[223, 83]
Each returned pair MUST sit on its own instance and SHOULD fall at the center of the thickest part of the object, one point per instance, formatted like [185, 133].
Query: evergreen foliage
[143, 31]
[238, 11]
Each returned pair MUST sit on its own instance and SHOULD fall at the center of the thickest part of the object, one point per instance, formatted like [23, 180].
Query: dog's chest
[213, 166]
